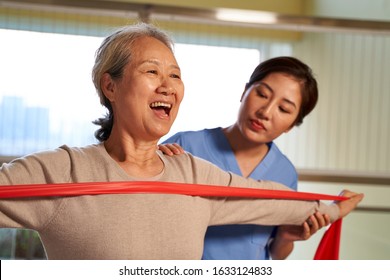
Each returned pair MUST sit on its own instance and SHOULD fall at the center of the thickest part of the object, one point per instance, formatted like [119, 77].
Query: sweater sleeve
[259, 211]
[40, 168]
[246, 211]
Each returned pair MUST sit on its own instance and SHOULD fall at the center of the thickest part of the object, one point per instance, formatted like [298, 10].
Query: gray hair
[112, 56]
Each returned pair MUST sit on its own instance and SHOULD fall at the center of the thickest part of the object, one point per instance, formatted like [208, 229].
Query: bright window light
[47, 97]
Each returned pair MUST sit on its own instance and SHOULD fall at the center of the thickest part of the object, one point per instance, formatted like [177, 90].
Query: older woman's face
[146, 99]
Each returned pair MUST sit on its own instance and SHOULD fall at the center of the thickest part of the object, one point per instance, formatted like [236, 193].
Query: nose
[166, 87]
[266, 111]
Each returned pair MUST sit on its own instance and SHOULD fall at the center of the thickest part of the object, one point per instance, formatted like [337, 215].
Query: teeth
[160, 104]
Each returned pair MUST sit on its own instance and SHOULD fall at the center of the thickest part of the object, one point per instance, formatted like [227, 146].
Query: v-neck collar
[229, 159]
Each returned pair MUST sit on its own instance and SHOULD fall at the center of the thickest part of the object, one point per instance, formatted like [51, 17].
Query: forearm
[284, 212]
[280, 249]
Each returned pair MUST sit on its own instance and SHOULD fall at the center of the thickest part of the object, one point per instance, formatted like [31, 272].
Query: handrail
[342, 176]
[379, 179]
[5, 159]
[373, 209]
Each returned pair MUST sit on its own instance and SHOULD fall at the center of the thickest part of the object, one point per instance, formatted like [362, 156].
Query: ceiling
[370, 16]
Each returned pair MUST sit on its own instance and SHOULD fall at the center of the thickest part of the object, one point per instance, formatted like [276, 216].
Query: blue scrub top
[235, 242]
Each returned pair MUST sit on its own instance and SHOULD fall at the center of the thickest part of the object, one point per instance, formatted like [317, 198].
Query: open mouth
[161, 108]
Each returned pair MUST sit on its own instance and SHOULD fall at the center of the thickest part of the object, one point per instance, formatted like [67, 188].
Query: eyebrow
[156, 62]
[271, 90]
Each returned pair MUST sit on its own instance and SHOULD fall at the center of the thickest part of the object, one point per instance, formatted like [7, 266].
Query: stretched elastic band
[327, 250]
[134, 187]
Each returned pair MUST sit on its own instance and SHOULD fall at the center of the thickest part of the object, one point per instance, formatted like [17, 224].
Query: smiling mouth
[161, 107]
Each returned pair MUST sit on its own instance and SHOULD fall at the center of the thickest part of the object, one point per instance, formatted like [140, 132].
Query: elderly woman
[139, 81]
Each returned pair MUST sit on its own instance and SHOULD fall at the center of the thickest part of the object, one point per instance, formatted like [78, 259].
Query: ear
[107, 85]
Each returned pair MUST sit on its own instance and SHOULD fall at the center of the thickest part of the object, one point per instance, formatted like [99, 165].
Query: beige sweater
[134, 226]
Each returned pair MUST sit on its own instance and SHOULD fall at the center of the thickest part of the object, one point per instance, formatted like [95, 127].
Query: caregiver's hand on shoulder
[171, 149]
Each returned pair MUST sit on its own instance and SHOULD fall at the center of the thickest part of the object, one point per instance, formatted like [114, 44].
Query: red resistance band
[328, 248]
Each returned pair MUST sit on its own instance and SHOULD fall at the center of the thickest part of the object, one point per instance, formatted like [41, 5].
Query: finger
[306, 231]
[320, 219]
[327, 220]
[179, 148]
[165, 150]
[314, 224]
[174, 149]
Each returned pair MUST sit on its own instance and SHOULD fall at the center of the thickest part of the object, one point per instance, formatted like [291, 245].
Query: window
[47, 98]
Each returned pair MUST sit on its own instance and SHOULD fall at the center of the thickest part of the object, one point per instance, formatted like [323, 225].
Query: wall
[354, 9]
[349, 129]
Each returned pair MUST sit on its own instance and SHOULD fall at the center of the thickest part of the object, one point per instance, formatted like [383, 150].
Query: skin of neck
[128, 149]
[240, 144]
[247, 153]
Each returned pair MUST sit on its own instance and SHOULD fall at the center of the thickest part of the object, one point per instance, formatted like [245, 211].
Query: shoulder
[43, 158]
[191, 169]
[90, 151]
[192, 135]
[281, 160]
[92, 162]
[184, 161]
[202, 143]
[39, 167]
[280, 168]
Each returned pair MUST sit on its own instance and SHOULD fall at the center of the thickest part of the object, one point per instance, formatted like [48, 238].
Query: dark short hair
[299, 71]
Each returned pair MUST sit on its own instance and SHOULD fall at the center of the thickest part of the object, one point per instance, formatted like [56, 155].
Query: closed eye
[261, 94]
[284, 110]
[175, 76]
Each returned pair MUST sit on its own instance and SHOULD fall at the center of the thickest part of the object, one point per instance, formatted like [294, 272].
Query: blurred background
[47, 97]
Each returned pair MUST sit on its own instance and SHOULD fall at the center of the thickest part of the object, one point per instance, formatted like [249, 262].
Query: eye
[151, 71]
[175, 76]
[283, 110]
[287, 109]
[261, 93]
